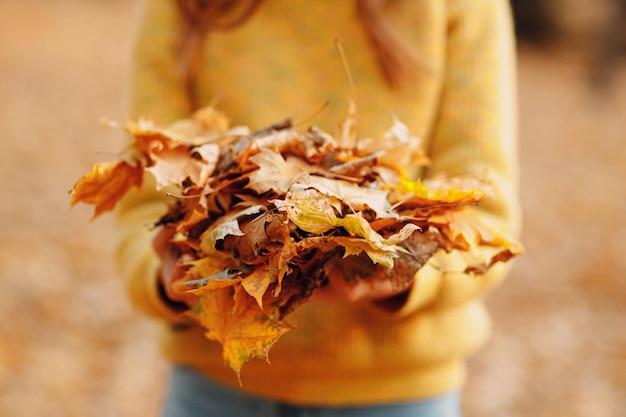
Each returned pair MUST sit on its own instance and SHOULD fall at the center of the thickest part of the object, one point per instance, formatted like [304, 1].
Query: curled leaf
[106, 184]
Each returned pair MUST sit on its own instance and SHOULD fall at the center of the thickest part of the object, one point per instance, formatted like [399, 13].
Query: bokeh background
[71, 345]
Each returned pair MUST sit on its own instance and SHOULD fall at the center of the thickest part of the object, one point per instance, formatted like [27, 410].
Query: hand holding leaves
[265, 219]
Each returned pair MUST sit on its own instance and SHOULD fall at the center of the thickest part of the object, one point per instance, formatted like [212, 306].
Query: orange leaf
[256, 284]
[106, 184]
[238, 324]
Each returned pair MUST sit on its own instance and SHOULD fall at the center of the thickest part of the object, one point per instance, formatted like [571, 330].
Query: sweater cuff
[152, 299]
[140, 266]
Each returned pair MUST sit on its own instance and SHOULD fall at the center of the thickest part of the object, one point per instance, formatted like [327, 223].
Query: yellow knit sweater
[283, 62]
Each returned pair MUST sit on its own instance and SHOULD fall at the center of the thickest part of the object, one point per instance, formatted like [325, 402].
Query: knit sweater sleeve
[157, 95]
[475, 134]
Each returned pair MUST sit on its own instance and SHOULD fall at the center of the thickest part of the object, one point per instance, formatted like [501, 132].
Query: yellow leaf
[380, 250]
[233, 318]
[309, 210]
[448, 192]
[354, 246]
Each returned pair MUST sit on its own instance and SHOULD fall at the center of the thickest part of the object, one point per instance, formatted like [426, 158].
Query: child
[446, 70]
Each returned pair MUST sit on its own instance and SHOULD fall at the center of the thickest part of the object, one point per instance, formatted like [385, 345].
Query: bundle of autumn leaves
[265, 215]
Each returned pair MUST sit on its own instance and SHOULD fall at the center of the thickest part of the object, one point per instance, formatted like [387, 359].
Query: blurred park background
[71, 345]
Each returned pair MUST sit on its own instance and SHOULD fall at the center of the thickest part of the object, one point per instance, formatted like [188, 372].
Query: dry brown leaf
[273, 173]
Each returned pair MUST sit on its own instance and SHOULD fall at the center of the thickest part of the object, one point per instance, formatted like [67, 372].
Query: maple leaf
[465, 230]
[171, 163]
[398, 148]
[252, 245]
[356, 197]
[266, 243]
[227, 225]
[419, 247]
[192, 219]
[355, 246]
[443, 194]
[234, 319]
[459, 227]
[379, 249]
[310, 210]
[274, 173]
[277, 138]
[257, 283]
[314, 146]
[210, 153]
[106, 184]
[172, 166]
[205, 124]
[219, 279]
[501, 256]
[279, 262]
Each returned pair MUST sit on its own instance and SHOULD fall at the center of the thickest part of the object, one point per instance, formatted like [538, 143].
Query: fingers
[173, 267]
[162, 241]
[373, 288]
[174, 281]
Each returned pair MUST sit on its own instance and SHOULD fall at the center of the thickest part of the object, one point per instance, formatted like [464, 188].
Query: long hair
[396, 62]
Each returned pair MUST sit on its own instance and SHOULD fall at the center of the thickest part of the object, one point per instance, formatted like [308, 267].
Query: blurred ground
[70, 345]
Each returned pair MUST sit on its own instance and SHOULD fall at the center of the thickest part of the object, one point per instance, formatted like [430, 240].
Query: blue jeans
[193, 395]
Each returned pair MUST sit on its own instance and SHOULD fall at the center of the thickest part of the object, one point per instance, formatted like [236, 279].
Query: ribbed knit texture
[283, 62]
